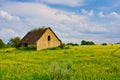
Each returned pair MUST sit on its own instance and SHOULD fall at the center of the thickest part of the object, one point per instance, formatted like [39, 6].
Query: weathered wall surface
[43, 42]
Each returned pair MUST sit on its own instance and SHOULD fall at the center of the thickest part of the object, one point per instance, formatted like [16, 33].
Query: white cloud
[41, 12]
[101, 14]
[9, 31]
[6, 34]
[36, 10]
[95, 28]
[71, 3]
[84, 11]
[90, 13]
[7, 16]
[69, 26]
[114, 15]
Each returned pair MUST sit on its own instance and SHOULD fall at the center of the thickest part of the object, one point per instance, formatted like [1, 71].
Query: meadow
[95, 62]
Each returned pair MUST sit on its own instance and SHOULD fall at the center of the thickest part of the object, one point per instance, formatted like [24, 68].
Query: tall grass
[75, 63]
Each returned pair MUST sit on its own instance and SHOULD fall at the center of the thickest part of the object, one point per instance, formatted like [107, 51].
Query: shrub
[72, 44]
[104, 44]
[26, 48]
[62, 46]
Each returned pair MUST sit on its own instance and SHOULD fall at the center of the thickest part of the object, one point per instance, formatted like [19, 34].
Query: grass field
[75, 63]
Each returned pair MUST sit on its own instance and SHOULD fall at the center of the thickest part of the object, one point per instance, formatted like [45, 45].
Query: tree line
[13, 42]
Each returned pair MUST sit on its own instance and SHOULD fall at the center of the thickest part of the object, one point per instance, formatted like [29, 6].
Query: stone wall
[48, 40]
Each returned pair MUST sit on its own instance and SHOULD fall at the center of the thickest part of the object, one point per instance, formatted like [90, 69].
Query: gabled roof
[33, 36]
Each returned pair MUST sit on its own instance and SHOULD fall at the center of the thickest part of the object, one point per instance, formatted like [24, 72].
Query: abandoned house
[41, 39]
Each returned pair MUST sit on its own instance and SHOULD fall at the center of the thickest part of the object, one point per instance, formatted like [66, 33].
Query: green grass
[75, 63]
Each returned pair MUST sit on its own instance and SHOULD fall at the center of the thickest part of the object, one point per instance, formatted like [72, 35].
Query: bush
[104, 44]
[62, 46]
[26, 48]
[72, 44]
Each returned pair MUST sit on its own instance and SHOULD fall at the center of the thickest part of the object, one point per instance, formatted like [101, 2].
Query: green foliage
[76, 63]
[62, 46]
[72, 44]
[117, 43]
[61, 72]
[14, 42]
[104, 44]
[27, 48]
[2, 44]
[83, 42]
[35, 29]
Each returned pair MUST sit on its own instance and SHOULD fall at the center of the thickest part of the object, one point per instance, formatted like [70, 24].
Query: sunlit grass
[75, 63]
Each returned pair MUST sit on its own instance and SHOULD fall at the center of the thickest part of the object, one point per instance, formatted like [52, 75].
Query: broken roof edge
[31, 31]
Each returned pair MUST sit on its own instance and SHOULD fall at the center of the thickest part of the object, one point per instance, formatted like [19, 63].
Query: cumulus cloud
[89, 13]
[35, 10]
[101, 14]
[6, 34]
[114, 15]
[69, 26]
[7, 16]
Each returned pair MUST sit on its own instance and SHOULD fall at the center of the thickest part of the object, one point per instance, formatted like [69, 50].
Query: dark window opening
[49, 38]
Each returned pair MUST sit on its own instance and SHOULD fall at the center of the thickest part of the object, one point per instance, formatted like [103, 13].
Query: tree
[91, 43]
[83, 42]
[2, 44]
[14, 42]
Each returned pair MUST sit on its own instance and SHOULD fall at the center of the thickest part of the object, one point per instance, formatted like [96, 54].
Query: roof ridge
[32, 36]
[40, 28]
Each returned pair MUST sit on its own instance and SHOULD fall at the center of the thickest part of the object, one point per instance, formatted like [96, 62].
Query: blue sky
[71, 20]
